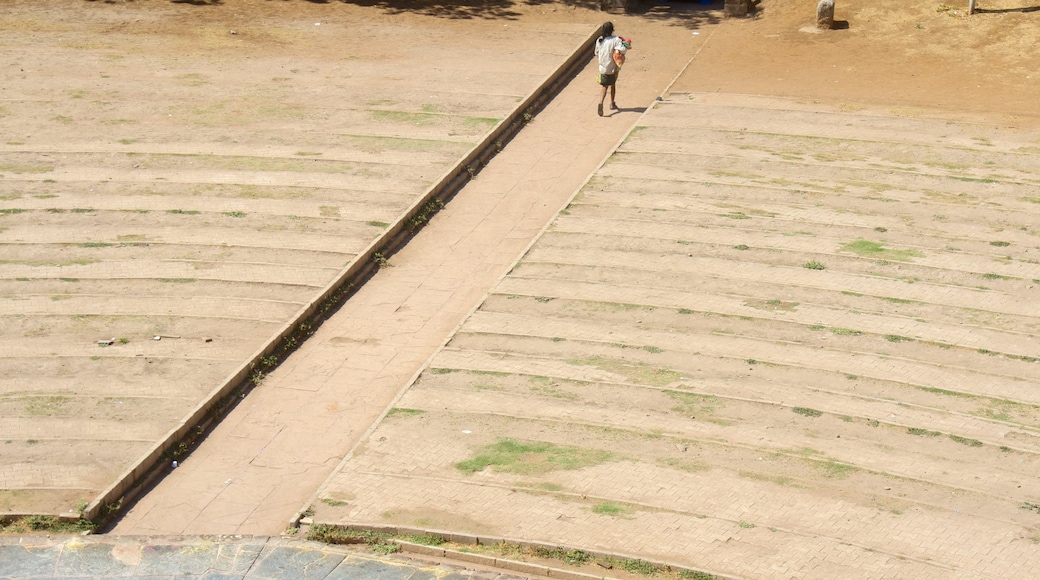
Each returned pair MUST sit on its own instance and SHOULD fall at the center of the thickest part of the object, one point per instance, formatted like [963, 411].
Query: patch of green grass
[636, 372]
[403, 412]
[897, 338]
[834, 470]
[922, 432]
[377, 224]
[479, 123]
[965, 440]
[845, 332]
[307, 153]
[48, 406]
[531, 457]
[638, 567]
[1000, 244]
[424, 539]
[330, 534]
[693, 403]
[570, 556]
[235, 214]
[608, 509]
[404, 117]
[741, 247]
[806, 411]
[183, 211]
[737, 215]
[814, 265]
[333, 502]
[38, 524]
[863, 247]
[683, 464]
[938, 391]
[746, 525]
[772, 305]
[992, 276]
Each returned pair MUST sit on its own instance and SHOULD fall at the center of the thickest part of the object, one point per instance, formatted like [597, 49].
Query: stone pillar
[737, 8]
[825, 14]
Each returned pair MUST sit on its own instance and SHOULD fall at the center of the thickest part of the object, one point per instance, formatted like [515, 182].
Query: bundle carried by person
[619, 56]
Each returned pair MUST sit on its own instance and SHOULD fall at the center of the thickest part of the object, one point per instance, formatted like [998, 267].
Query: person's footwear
[614, 107]
[599, 109]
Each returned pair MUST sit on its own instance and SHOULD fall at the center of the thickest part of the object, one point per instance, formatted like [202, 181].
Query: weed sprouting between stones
[966, 441]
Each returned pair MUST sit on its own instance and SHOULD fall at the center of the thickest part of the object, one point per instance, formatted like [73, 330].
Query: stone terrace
[204, 195]
[766, 339]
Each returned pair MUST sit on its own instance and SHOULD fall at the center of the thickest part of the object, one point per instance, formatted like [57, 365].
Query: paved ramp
[264, 461]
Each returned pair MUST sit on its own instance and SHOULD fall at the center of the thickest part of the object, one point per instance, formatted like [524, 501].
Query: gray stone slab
[285, 563]
[27, 561]
[94, 560]
[354, 567]
[236, 558]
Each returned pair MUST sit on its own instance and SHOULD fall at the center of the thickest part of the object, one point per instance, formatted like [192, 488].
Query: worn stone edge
[537, 99]
[505, 563]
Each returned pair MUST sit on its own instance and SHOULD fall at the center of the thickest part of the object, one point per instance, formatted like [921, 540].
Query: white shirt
[605, 48]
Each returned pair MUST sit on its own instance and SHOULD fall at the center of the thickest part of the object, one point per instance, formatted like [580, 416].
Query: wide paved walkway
[264, 461]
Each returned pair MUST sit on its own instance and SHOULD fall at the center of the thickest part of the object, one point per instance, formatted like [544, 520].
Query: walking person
[610, 52]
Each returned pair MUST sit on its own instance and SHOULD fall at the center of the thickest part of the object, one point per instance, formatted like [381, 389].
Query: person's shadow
[623, 110]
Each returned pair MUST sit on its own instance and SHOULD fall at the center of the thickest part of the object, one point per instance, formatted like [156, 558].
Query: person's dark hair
[608, 29]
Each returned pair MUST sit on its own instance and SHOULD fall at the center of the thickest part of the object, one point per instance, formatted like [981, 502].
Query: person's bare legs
[602, 95]
[613, 104]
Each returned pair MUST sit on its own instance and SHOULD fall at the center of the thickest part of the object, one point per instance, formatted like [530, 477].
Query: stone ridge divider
[179, 440]
[505, 563]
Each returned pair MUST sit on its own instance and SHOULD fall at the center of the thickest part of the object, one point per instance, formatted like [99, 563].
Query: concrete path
[211, 558]
[263, 462]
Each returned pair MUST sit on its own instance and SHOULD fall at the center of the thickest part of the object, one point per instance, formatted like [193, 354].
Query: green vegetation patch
[922, 432]
[871, 249]
[691, 403]
[405, 117]
[403, 412]
[639, 373]
[608, 509]
[772, 305]
[38, 524]
[966, 441]
[532, 457]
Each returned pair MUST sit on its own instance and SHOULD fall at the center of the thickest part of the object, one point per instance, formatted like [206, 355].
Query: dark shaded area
[1005, 10]
[691, 14]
